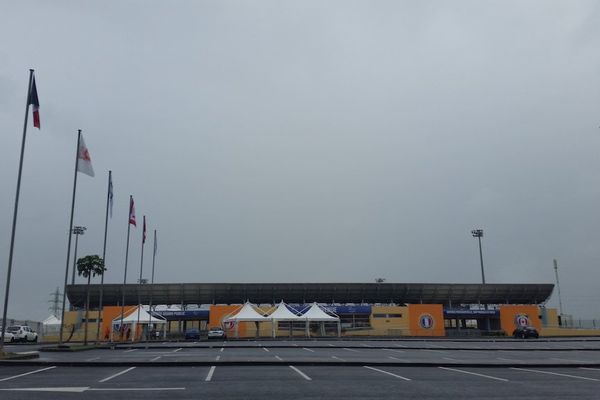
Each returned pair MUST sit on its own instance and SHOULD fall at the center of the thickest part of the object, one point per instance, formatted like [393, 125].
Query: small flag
[84, 164]
[33, 100]
[144, 234]
[110, 193]
[131, 211]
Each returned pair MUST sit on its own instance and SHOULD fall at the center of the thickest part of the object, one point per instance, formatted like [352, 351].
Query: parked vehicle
[525, 332]
[192, 334]
[216, 333]
[9, 337]
[22, 333]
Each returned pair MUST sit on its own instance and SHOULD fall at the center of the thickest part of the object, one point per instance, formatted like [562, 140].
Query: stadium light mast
[560, 309]
[478, 233]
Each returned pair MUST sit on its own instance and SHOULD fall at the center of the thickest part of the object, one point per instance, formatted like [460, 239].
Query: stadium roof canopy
[449, 294]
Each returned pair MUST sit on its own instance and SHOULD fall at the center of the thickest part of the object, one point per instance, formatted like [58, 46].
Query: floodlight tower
[478, 233]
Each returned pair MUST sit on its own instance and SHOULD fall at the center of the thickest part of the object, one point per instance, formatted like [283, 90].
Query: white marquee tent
[246, 313]
[316, 314]
[283, 313]
[132, 319]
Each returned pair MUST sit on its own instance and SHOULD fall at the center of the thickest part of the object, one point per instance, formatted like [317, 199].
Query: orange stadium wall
[509, 314]
[426, 320]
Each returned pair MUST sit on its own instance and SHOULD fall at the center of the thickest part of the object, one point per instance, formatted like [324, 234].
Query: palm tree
[87, 267]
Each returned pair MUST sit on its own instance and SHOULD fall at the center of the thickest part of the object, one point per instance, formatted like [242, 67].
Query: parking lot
[314, 369]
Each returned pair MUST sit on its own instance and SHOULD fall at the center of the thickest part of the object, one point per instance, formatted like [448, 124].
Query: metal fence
[580, 323]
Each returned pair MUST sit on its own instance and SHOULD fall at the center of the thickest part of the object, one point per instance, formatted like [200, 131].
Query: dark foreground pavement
[313, 369]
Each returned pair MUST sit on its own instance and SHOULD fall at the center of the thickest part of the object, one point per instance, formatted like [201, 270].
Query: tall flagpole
[137, 324]
[99, 317]
[14, 224]
[152, 280]
[121, 328]
[62, 318]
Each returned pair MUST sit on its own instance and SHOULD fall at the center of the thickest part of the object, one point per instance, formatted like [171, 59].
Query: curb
[295, 363]
[142, 347]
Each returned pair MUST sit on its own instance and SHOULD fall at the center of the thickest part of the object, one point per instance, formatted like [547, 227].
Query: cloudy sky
[308, 141]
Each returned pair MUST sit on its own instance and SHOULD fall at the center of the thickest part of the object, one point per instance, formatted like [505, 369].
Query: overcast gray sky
[315, 141]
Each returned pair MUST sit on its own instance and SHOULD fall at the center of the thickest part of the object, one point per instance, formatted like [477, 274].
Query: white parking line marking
[218, 358]
[302, 374]
[330, 345]
[557, 374]
[388, 373]
[211, 371]
[134, 389]
[176, 350]
[155, 358]
[115, 375]
[265, 349]
[76, 389]
[591, 369]
[449, 358]
[394, 358]
[338, 358]
[356, 351]
[312, 351]
[67, 389]
[26, 373]
[399, 345]
[93, 359]
[222, 348]
[130, 350]
[279, 358]
[473, 373]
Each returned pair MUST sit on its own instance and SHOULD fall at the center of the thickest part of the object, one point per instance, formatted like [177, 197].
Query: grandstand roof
[343, 293]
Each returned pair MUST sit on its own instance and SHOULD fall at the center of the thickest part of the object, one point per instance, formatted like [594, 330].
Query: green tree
[88, 267]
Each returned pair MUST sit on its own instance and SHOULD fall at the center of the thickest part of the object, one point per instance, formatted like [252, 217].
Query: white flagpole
[62, 318]
[14, 223]
[137, 324]
[99, 318]
[121, 327]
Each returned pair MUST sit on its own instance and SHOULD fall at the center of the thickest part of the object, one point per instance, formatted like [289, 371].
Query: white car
[22, 333]
[216, 333]
[9, 337]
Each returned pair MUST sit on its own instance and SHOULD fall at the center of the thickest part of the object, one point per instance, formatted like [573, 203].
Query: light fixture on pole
[478, 233]
[77, 230]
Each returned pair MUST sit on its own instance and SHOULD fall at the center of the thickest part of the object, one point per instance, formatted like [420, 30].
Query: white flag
[84, 164]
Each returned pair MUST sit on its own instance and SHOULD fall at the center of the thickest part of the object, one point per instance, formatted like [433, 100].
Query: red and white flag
[33, 100]
[131, 211]
[144, 234]
[84, 164]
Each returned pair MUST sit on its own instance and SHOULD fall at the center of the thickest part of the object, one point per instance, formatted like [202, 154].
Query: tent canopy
[144, 318]
[315, 313]
[245, 314]
[283, 313]
[51, 320]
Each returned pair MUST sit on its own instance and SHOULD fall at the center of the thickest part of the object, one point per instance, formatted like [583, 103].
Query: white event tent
[316, 314]
[246, 313]
[283, 313]
[144, 318]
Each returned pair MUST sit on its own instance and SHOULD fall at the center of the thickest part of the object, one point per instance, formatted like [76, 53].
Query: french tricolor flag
[33, 100]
